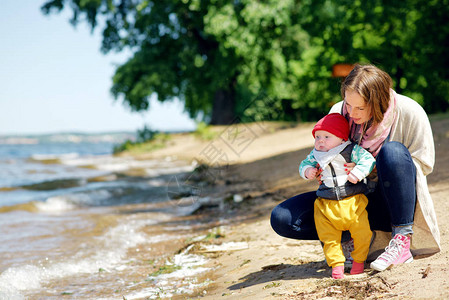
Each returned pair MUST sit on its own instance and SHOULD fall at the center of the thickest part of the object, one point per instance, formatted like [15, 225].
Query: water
[73, 224]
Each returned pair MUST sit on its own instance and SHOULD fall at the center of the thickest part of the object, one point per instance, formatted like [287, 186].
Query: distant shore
[67, 137]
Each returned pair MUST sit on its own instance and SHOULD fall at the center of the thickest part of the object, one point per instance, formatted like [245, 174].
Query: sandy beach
[252, 168]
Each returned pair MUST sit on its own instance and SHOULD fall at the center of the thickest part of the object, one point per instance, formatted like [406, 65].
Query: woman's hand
[349, 167]
[318, 174]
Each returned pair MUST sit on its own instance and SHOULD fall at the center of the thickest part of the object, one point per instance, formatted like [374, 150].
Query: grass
[165, 269]
[205, 132]
[247, 261]
[158, 141]
[168, 267]
[272, 285]
[215, 233]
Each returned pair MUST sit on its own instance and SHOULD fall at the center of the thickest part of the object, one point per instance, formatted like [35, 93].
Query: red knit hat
[335, 124]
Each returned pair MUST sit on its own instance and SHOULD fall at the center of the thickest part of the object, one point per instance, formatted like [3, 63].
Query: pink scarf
[372, 137]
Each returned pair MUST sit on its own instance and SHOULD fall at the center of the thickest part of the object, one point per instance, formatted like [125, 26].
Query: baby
[340, 203]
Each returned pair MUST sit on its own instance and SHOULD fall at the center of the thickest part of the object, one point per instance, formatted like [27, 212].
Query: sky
[54, 78]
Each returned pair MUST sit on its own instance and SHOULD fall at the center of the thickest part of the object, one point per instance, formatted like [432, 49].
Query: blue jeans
[391, 205]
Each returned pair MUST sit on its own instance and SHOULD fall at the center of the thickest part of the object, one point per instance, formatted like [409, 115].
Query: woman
[396, 130]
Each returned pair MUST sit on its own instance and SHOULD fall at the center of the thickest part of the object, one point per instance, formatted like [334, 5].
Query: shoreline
[212, 238]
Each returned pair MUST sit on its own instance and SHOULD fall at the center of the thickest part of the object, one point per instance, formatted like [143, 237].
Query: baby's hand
[311, 173]
[352, 178]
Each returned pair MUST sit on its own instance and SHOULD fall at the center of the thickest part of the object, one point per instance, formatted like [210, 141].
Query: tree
[226, 59]
[428, 60]
[216, 56]
[408, 39]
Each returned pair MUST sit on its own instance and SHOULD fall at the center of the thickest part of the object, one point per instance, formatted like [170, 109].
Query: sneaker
[348, 247]
[397, 252]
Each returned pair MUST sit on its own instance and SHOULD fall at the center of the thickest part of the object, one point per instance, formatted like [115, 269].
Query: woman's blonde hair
[373, 85]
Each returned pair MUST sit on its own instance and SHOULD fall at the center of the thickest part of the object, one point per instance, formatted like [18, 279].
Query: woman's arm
[414, 132]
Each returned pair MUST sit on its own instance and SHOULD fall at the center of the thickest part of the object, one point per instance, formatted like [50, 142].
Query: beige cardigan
[412, 129]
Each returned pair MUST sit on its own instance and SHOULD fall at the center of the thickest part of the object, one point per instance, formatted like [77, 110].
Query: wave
[118, 164]
[50, 172]
[52, 158]
[95, 194]
[107, 252]
[62, 203]
[51, 205]
[58, 184]
[181, 281]
[55, 184]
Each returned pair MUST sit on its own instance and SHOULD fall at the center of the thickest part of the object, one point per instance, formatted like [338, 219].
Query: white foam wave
[109, 253]
[181, 281]
[44, 157]
[55, 205]
[157, 182]
[110, 163]
[62, 203]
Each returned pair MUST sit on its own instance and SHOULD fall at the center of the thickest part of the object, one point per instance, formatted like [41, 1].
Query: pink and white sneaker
[397, 252]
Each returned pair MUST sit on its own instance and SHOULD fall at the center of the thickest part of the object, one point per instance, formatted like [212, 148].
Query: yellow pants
[332, 217]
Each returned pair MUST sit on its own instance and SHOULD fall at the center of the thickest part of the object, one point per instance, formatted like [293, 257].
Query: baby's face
[324, 141]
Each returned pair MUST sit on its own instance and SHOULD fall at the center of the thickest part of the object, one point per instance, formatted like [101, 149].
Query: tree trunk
[223, 107]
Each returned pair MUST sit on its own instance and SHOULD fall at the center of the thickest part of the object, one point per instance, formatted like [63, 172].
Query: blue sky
[53, 78]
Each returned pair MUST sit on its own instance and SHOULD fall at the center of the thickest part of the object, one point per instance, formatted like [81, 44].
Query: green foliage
[202, 51]
[165, 269]
[147, 140]
[204, 132]
[127, 145]
[215, 233]
[146, 134]
[272, 285]
[407, 39]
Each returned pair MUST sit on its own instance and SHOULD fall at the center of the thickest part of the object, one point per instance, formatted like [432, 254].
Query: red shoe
[357, 268]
